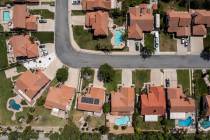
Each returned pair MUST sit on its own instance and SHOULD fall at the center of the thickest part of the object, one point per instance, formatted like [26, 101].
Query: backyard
[6, 93]
[3, 52]
[112, 86]
[46, 14]
[44, 37]
[183, 77]
[140, 77]
[85, 39]
[167, 43]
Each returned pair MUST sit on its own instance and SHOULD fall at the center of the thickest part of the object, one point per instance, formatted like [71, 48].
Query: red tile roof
[96, 93]
[122, 102]
[96, 4]
[59, 97]
[23, 47]
[202, 17]
[98, 21]
[135, 32]
[142, 17]
[153, 103]
[22, 18]
[199, 30]
[178, 102]
[31, 83]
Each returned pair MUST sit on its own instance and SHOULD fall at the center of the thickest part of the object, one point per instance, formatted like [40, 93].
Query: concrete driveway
[48, 27]
[196, 45]
[127, 77]
[156, 77]
[73, 78]
[171, 75]
[78, 20]
[96, 81]
[181, 49]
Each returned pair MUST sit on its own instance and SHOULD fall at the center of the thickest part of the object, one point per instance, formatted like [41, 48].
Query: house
[22, 47]
[179, 22]
[92, 101]
[153, 103]
[180, 106]
[122, 101]
[90, 5]
[59, 99]
[140, 19]
[206, 106]
[98, 22]
[201, 21]
[22, 18]
[30, 85]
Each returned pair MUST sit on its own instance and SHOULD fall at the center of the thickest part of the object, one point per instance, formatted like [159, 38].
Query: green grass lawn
[139, 77]
[21, 68]
[206, 40]
[46, 14]
[85, 38]
[112, 86]
[77, 13]
[167, 43]
[3, 52]
[6, 93]
[44, 37]
[184, 80]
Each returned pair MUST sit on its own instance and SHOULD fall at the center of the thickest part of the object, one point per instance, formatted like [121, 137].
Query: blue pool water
[118, 37]
[185, 123]
[205, 124]
[6, 16]
[14, 105]
[122, 121]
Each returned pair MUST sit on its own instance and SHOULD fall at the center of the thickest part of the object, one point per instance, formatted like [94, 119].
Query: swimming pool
[118, 37]
[14, 105]
[205, 124]
[185, 123]
[122, 121]
[6, 16]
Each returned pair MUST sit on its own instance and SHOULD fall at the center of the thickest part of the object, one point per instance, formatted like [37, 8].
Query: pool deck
[189, 129]
[3, 23]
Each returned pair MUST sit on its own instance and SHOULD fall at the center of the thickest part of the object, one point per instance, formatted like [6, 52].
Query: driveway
[196, 45]
[73, 78]
[127, 77]
[171, 75]
[181, 49]
[96, 81]
[69, 56]
[78, 20]
[48, 27]
[156, 77]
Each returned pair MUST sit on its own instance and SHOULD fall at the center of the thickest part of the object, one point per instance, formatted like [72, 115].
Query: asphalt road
[72, 58]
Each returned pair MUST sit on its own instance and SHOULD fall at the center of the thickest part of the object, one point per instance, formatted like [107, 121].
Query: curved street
[69, 56]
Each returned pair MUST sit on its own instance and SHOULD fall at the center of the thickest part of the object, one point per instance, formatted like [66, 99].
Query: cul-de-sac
[104, 69]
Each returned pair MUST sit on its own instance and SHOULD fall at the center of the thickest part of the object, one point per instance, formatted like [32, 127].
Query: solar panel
[96, 101]
[83, 100]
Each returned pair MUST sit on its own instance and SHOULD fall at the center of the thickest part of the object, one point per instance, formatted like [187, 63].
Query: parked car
[186, 43]
[42, 21]
[182, 41]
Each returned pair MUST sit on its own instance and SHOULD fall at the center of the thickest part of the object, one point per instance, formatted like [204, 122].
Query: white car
[182, 41]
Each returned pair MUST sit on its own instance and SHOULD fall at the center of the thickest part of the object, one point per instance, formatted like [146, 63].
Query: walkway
[96, 81]
[77, 58]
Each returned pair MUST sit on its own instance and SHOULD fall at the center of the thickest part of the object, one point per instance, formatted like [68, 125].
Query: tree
[62, 74]
[104, 129]
[205, 54]
[106, 73]
[86, 72]
[106, 108]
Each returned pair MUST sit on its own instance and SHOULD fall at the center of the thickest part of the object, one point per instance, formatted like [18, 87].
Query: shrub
[106, 108]
[115, 127]
[23, 102]
[62, 74]
[123, 127]
[106, 73]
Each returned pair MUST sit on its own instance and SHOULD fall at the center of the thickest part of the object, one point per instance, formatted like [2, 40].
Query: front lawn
[139, 77]
[167, 43]
[112, 86]
[44, 37]
[184, 80]
[85, 39]
[46, 14]
[3, 52]
[6, 93]
[206, 40]
[87, 79]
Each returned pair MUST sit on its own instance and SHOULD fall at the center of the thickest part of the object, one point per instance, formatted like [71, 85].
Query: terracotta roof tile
[96, 4]
[199, 30]
[59, 97]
